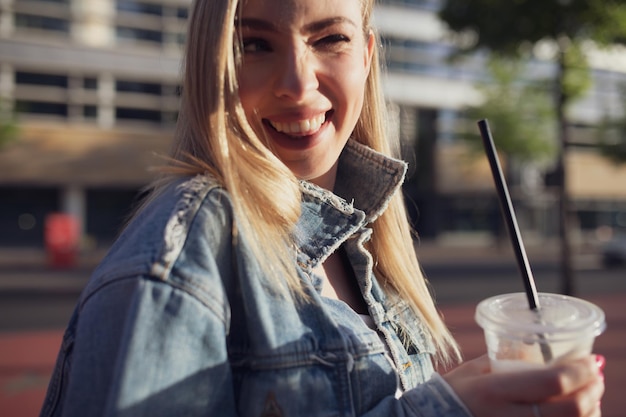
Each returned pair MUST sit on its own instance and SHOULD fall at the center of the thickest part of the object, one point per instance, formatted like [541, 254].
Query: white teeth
[303, 127]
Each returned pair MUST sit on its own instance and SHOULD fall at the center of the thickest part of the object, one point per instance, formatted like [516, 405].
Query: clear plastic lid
[560, 317]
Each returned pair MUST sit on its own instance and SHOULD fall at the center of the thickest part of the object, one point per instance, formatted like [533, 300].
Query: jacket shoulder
[189, 222]
[200, 223]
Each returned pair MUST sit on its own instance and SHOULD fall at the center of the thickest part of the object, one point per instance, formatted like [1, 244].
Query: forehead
[298, 12]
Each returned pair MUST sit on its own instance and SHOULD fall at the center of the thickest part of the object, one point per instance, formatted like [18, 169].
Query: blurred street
[36, 302]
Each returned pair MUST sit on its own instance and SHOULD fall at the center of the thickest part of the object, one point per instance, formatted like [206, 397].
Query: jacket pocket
[305, 384]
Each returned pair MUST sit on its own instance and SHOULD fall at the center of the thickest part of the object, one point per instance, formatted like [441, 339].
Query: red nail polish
[600, 362]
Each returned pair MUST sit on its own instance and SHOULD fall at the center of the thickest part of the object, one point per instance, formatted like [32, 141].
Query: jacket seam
[173, 284]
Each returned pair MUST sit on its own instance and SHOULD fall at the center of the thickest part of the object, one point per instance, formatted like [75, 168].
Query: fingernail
[600, 362]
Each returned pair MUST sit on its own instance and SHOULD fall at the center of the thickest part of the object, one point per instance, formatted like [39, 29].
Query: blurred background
[88, 101]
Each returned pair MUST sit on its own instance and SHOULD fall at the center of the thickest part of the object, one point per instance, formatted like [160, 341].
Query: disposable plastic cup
[518, 338]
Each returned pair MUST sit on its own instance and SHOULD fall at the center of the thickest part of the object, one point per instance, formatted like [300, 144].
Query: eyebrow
[264, 25]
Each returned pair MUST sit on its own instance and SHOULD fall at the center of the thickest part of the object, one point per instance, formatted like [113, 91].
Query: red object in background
[61, 236]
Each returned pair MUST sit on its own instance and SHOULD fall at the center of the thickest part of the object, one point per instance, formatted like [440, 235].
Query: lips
[304, 127]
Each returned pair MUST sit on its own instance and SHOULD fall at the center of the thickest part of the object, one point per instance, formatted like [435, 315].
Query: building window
[90, 83]
[90, 112]
[415, 56]
[182, 13]
[41, 107]
[32, 78]
[138, 87]
[127, 113]
[137, 34]
[139, 7]
[29, 21]
[432, 5]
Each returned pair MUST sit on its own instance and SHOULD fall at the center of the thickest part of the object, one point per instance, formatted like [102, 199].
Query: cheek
[255, 91]
[351, 76]
[248, 95]
[352, 86]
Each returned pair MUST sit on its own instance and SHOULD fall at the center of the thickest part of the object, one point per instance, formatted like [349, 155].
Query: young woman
[271, 271]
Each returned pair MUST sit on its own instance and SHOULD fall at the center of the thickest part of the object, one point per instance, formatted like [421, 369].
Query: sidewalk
[539, 254]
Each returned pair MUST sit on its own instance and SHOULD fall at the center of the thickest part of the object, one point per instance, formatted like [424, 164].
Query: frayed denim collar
[366, 181]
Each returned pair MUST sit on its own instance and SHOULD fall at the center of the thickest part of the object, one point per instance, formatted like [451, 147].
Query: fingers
[582, 403]
[537, 385]
[572, 389]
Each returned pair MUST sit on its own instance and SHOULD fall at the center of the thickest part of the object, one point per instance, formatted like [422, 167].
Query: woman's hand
[568, 389]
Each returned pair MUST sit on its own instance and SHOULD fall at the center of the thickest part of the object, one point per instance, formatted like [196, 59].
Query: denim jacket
[180, 320]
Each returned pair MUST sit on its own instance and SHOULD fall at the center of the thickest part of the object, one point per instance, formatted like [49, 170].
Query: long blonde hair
[214, 136]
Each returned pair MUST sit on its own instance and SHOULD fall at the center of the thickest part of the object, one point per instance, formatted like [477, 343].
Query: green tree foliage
[576, 77]
[520, 114]
[507, 26]
[514, 28]
[8, 126]
[612, 135]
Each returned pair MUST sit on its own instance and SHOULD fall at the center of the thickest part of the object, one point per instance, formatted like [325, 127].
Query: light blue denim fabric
[179, 319]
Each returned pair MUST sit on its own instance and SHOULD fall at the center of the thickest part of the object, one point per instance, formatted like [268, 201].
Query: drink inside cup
[514, 333]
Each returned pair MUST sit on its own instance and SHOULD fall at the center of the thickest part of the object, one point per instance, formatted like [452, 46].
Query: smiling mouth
[300, 128]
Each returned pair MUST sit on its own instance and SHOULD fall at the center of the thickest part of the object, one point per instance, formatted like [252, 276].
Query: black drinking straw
[511, 221]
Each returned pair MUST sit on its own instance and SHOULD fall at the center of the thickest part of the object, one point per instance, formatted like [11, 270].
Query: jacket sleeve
[149, 334]
[432, 398]
[137, 354]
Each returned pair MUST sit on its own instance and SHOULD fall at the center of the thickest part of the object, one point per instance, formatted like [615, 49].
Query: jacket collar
[366, 181]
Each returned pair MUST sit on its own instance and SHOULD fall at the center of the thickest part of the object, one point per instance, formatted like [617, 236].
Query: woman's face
[305, 63]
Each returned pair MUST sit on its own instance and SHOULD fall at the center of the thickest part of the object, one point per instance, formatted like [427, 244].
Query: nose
[297, 75]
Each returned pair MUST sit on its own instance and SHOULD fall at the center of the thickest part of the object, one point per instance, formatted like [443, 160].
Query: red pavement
[26, 362]
[26, 359]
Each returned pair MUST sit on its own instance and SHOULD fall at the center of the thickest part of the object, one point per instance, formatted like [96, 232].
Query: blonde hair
[214, 136]
[395, 260]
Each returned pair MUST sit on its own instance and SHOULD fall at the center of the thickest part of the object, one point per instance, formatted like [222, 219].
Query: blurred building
[94, 84]
[453, 193]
